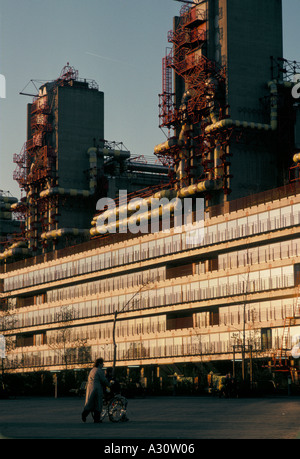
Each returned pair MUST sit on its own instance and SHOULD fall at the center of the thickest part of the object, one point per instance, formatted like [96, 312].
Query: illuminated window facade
[176, 302]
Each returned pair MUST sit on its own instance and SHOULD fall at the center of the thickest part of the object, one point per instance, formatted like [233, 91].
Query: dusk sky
[117, 43]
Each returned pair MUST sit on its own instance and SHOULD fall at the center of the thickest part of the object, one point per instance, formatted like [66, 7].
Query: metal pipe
[8, 199]
[200, 187]
[227, 123]
[117, 154]
[155, 168]
[132, 206]
[144, 217]
[65, 191]
[14, 252]
[296, 158]
[63, 232]
[165, 146]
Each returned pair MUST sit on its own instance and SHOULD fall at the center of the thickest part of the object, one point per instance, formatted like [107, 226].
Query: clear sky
[117, 43]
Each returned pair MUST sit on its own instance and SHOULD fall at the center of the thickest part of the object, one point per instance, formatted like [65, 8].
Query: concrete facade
[237, 285]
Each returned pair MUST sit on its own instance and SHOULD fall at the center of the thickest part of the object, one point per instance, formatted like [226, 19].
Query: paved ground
[155, 418]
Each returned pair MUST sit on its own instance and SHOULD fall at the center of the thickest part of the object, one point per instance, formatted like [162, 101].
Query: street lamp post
[55, 382]
[243, 349]
[114, 326]
[244, 318]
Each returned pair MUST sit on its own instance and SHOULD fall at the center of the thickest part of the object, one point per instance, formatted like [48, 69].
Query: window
[266, 338]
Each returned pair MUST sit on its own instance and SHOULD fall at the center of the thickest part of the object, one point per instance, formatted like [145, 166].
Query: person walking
[94, 391]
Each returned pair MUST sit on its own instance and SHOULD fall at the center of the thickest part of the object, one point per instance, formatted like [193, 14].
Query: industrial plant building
[8, 225]
[176, 300]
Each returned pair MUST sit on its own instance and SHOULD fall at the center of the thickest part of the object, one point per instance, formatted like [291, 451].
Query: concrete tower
[243, 37]
[56, 169]
[66, 166]
[231, 113]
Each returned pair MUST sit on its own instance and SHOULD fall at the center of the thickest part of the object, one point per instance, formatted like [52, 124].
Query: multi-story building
[178, 303]
[166, 300]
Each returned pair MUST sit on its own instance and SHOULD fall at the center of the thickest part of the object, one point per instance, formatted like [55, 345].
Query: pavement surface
[154, 418]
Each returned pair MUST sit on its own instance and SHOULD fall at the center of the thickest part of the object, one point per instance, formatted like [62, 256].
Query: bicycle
[115, 409]
[114, 406]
